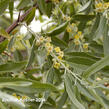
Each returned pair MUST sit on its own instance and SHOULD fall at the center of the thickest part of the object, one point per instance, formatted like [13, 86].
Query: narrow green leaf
[81, 60]
[46, 8]
[11, 8]
[100, 31]
[58, 42]
[11, 42]
[66, 37]
[50, 78]
[12, 66]
[41, 57]
[86, 6]
[101, 101]
[24, 85]
[106, 40]
[30, 16]
[96, 67]
[85, 92]
[23, 4]
[58, 29]
[82, 54]
[81, 17]
[62, 100]
[94, 27]
[32, 55]
[71, 95]
[18, 56]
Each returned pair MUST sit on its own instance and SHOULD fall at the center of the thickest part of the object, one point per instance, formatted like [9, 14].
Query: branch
[16, 23]
[20, 19]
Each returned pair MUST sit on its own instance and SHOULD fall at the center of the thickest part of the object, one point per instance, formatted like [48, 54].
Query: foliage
[66, 64]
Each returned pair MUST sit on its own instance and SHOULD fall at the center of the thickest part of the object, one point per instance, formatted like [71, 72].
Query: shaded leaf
[86, 6]
[24, 85]
[12, 66]
[71, 95]
[11, 8]
[4, 33]
[30, 16]
[58, 29]
[23, 4]
[96, 67]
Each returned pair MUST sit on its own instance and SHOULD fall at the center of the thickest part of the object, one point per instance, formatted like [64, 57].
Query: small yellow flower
[76, 36]
[64, 17]
[18, 97]
[41, 39]
[14, 94]
[24, 97]
[73, 25]
[47, 44]
[68, 18]
[85, 46]
[57, 49]
[108, 4]
[56, 65]
[60, 57]
[77, 42]
[69, 29]
[105, 6]
[61, 53]
[50, 49]
[48, 39]
[12, 49]
[99, 5]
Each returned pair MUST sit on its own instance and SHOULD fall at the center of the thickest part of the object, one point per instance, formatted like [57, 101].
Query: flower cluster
[18, 97]
[51, 50]
[101, 7]
[72, 28]
[78, 35]
[68, 18]
[79, 39]
[42, 39]
[59, 55]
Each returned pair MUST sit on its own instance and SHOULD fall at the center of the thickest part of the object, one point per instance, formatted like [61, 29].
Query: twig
[5, 53]
[16, 23]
